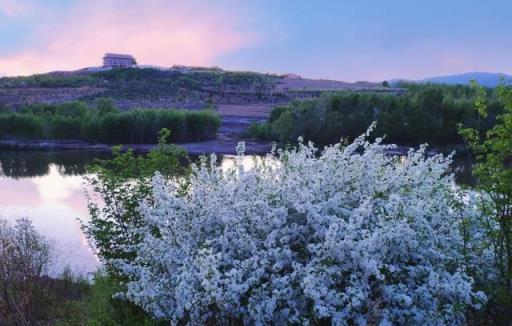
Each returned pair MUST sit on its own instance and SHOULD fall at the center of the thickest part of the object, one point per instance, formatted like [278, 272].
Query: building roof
[118, 56]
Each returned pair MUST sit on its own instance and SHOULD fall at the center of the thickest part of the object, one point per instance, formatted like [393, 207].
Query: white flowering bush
[346, 236]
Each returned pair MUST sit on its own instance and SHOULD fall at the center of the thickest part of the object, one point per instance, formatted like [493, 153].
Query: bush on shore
[346, 236]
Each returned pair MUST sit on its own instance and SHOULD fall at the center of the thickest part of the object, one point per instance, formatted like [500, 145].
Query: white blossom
[349, 235]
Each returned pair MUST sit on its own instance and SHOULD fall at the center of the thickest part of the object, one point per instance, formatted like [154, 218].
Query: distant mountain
[487, 79]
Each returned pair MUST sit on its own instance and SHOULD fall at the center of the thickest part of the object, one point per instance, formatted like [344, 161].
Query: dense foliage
[346, 236]
[343, 236]
[105, 124]
[101, 306]
[494, 171]
[117, 187]
[424, 114]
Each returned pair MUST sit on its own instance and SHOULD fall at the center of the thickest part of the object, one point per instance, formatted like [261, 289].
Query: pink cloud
[21, 9]
[156, 32]
[11, 8]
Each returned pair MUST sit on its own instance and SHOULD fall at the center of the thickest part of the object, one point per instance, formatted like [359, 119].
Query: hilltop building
[115, 60]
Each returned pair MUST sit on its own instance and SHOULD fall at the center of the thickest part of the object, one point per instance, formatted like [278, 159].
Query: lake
[48, 188]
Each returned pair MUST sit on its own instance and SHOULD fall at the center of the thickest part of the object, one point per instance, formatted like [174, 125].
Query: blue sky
[346, 40]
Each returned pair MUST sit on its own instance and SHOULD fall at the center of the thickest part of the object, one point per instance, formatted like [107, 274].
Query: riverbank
[221, 145]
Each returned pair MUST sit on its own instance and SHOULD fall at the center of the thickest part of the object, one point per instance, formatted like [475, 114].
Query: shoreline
[221, 145]
[218, 146]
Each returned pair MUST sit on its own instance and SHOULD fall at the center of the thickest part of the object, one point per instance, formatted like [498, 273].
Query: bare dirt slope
[256, 110]
[15, 97]
[305, 84]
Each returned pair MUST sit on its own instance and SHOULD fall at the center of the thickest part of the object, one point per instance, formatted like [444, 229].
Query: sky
[346, 40]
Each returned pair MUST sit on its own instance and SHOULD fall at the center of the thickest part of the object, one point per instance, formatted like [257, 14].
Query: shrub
[25, 261]
[103, 307]
[276, 112]
[107, 125]
[494, 171]
[172, 120]
[122, 183]
[261, 130]
[284, 127]
[202, 125]
[13, 125]
[346, 236]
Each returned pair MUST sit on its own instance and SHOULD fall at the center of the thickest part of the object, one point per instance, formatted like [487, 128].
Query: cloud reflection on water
[55, 203]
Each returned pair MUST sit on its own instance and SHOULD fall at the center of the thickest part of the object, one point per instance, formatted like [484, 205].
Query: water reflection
[55, 203]
[27, 164]
[463, 171]
[48, 188]
[228, 161]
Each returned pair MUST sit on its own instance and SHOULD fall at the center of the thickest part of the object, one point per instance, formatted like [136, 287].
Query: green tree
[105, 106]
[493, 151]
[118, 186]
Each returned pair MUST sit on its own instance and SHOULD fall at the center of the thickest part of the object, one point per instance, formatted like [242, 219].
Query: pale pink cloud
[11, 8]
[156, 32]
[21, 9]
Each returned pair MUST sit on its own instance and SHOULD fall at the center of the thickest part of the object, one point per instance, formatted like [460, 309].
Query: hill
[157, 87]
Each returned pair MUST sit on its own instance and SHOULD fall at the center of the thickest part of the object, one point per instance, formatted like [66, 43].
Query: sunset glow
[370, 40]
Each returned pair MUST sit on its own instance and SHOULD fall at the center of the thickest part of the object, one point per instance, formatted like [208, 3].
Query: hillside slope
[191, 88]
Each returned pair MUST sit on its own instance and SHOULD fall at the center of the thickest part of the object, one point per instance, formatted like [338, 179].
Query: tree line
[106, 124]
[424, 114]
